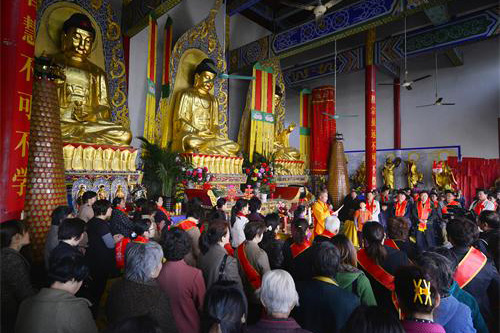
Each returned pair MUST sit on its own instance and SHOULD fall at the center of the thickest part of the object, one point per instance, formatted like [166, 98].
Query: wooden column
[370, 114]
[397, 114]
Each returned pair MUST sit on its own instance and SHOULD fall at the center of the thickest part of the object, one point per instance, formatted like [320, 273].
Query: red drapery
[322, 128]
[472, 173]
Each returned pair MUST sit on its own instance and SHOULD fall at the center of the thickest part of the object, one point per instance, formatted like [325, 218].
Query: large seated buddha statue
[83, 95]
[196, 118]
[282, 149]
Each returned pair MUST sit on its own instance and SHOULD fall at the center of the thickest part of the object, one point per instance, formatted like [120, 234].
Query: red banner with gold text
[17, 64]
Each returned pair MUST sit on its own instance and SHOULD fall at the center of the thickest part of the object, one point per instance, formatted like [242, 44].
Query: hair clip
[133, 234]
[419, 291]
[269, 228]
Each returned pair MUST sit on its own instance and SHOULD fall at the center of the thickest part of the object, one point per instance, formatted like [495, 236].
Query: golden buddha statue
[119, 192]
[414, 176]
[282, 148]
[388, 171]
[83, 95]
[196, 117]
[102, 194]
[445, 180]
[360, 175]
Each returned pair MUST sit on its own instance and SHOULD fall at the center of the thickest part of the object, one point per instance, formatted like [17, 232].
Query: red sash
[376, 271]
[328, 234]
[121, 209]
[163, 210]
[251, 273]
[391, 243]
[445, 208]
[140, 240]
[370, 206]
[186, 225]
[478, 208]
[469, 267]
[401, 208]
[424, 210]
[299, 248]
[120, 248]
[229, 249]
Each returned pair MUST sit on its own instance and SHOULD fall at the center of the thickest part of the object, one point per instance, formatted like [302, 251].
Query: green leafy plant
[162, 167]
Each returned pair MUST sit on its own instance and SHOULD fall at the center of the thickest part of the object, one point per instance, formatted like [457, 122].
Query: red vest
[401, 208]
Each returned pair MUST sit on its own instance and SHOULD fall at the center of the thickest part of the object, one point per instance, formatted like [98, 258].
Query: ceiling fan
[439, 100]
[319, 10]
[336, 116]
[406, 83]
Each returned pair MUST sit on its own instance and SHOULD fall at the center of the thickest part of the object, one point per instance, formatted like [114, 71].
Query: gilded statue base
[289, 168]
[287, 180]
[84, 157]
[217, 164]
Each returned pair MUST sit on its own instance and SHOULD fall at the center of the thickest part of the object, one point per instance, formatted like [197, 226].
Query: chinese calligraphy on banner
[18, 46]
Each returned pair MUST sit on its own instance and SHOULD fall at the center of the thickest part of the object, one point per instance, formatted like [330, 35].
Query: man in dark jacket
[324, 306]
[70, 234]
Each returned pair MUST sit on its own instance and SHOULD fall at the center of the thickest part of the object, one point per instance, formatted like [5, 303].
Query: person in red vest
[297, 252]
[253, 263]
[450, 201]
[162, 216]
[424, 218]
[402, 207]
[385, 195]
[475, 273]
[140, 234]
[372, 205]
[482, 202]
[190, 225]
[380, 262]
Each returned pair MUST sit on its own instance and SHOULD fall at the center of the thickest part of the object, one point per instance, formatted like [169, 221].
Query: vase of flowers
[194, 176]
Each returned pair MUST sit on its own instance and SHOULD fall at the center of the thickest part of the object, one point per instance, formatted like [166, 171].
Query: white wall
[471, 123]
[185, 15]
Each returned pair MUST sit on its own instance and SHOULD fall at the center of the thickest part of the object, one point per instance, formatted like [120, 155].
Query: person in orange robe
[320, 210]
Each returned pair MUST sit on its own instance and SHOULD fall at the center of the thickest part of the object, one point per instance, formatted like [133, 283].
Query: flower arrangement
[196, 175]
[260, 172]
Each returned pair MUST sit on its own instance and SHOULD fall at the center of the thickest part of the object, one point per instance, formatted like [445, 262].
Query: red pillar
[370, 114]
[18, 46]
[397, 114]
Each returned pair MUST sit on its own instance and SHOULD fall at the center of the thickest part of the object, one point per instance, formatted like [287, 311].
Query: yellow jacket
[320, 212]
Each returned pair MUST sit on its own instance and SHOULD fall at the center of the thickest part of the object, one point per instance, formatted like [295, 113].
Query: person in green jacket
[349, 277]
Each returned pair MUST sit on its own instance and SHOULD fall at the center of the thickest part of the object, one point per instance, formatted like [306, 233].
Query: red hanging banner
[370, 114]
[17, 64]
[322, 128]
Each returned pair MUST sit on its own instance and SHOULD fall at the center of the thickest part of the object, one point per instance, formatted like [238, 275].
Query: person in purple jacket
[417, 297]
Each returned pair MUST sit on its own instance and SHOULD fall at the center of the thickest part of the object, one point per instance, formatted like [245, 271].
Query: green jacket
[357, 283]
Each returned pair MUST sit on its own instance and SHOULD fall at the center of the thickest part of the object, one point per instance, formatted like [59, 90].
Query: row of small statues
[216, 164]
[86, 112]
[444, 179]
[98, 159]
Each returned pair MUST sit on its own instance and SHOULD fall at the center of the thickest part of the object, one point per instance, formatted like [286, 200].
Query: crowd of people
[415, 262]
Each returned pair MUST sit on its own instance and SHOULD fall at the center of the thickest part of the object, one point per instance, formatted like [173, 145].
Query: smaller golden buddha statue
[414, 176]
[388, 171]
[119, 192]
[445, 180]
[282, 148]
[360, 175]
[102, 194]
[81, 189]
[196, 117]
[83, 94]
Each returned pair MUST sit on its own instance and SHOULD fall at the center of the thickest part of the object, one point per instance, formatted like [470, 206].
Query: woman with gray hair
[138, 292]
[279, 297]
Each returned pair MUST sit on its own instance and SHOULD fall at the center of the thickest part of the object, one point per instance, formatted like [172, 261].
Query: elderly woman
[138, 292]
[278, 296]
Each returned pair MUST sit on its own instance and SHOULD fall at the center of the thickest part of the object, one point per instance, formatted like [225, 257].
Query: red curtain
[472, 173]
[322, 128]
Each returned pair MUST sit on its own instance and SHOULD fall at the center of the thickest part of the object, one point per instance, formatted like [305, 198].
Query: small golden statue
[282, 148]
[81, 189]
[119, 192]
[388, 171]
[444, 180]
[83, 94]
[102, 194]
[360, 175]
[414, 176]
[196, 117]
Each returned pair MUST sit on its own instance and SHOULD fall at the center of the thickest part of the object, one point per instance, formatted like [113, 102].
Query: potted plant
[162, 168]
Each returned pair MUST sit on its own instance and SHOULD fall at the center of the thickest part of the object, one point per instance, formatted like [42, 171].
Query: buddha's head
[77, 36]
[278, 95]
[204, 75]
